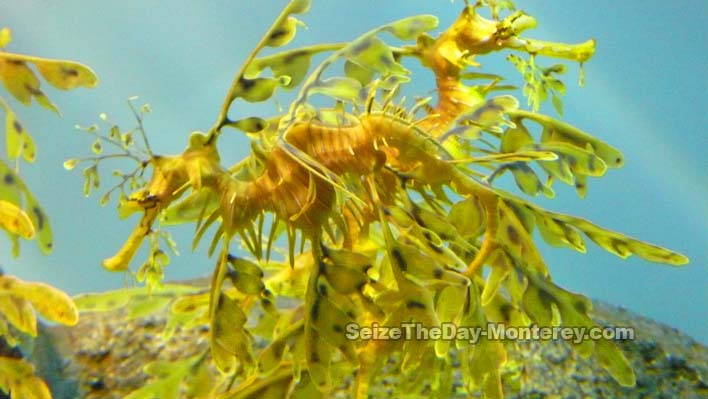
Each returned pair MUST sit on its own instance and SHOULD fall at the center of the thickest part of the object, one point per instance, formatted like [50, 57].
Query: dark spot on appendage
[398, 257]
[361, 47]
[314, 357]
[432, 246]
[40, 218]
[591, 164]
[505, 310]
[69, 72]
[35, 91]
[546, 297]
[619, 246]
[572, 161]
[246, 84]
[232, 275]
[315, 311]
[414, 304]
[438, 273]
[580, 306]
[278, 346]
[322, 268]
[322, 289]
[512, 234]
[17, 125]
[9, 179]
[292, 56]
[618, 161]
[337, 328]
[278, 33]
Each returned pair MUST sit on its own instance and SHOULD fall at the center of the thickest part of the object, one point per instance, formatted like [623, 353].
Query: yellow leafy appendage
[21, 216]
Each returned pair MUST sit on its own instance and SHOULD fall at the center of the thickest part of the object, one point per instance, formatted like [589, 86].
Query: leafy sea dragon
[399, 210]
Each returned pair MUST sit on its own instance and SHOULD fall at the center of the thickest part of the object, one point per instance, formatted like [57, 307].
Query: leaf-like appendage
[468, 217]
[620, 244]
[12, 190]
[246, 276]
[196, 205]
[579, 160]
[40, 220]
[372, 53]
[527, 180]
[22, 83]
[330, 315]
[292, 63]
[18, 140]
[483, 116]
[346, 270]
[66, 75]
[557, 233]
[573, 310]
[368, 47]
[283, 33]
[251, 124]
[540, 82]
[558, 131]
[516, 238]
[298, 6]
[344, 89]
[358, 72]
[167, 378]
[50, 302]
[448, 307]
[17, 376]
[258, 89]
[318, 356]
[228, 340]
[481, 362]
[562, 234]
[15, 220]
[5, 37]
[410, 28]
[19, 313]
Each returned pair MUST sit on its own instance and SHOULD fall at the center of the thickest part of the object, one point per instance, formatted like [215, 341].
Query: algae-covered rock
[103, 357]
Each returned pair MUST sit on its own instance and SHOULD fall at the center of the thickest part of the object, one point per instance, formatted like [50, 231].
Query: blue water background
[646, 94]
